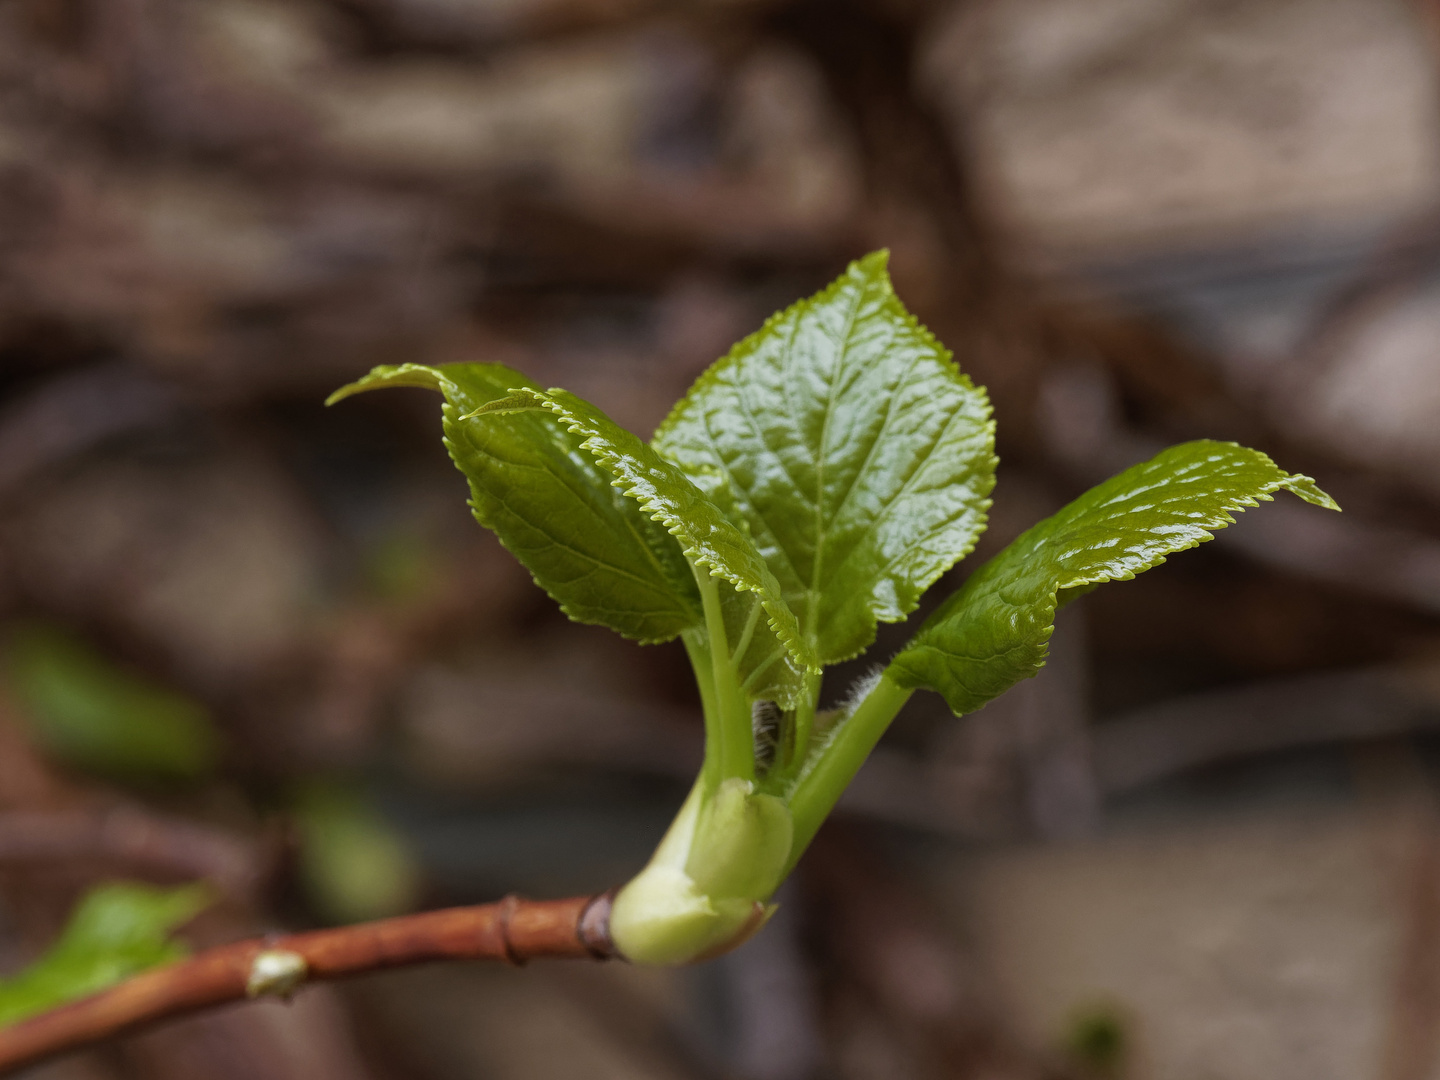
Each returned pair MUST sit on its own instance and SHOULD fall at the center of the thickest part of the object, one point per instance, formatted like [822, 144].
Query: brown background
[1208, 828]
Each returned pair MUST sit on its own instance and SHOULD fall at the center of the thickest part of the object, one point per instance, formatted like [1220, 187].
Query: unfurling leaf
[708, 537]
[117, 930]
[859, 456]
[554, 508]
[993, 632]
[812, 484]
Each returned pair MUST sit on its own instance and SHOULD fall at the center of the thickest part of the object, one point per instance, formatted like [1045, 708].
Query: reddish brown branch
[513, 930]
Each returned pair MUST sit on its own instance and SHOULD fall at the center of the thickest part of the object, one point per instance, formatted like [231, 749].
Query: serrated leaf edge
[432, 377]
[777, 611]
[1302, 486]
[711, 373]
[385, 376]
[858, 272]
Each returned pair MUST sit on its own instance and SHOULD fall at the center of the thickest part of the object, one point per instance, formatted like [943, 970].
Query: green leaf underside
[765, 667]
[858, 455]
[994, 631]
[116, 931]
[554, 507]
[774, 657]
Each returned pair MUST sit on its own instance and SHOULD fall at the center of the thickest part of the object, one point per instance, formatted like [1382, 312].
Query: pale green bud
[741, 843]
[660, 917]
[704, 892]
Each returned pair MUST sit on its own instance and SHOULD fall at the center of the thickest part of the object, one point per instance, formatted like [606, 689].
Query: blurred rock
[310, 1037]
[526, 1024]
[1123, 124]
[1257, 943]
[508, 715]
[209, 557]
[1379, 399]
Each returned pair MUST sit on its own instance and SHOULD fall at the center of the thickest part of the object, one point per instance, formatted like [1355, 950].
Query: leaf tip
[1304, 487]
[519, 401]
[877, 260]
[422, 376]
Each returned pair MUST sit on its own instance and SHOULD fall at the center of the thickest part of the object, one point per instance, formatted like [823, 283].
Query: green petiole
[831, 767]
[734, 740]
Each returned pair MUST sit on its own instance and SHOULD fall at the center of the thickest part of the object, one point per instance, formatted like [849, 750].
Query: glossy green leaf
[117, 930]
[859, 456]
[709, 538]
[90, 712]
[993, 632]
[554, 508]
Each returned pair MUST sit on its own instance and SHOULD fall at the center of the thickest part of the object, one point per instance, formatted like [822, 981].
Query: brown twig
[513, 930]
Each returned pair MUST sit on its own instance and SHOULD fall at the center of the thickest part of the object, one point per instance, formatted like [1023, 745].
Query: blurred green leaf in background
[90, 713]
[354, 864]
[117, 930]
[1098, 1041]
[401, 567]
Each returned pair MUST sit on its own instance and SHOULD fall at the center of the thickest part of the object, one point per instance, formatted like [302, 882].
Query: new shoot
[813, 483]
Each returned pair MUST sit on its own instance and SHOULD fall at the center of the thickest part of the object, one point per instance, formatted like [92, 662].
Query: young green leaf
[859, 456]
[554, 508]
[115, 931]
[993, 632]
[710, 539]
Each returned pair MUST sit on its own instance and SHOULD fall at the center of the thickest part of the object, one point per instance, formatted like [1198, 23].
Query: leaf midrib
[742, 492]
[906, 489]
[821, 529]
[583, 496]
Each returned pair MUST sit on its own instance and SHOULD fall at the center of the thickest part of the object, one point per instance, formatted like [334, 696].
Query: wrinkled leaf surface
[993, 632]
[859, 456]
[776, 655]
[554, 508]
